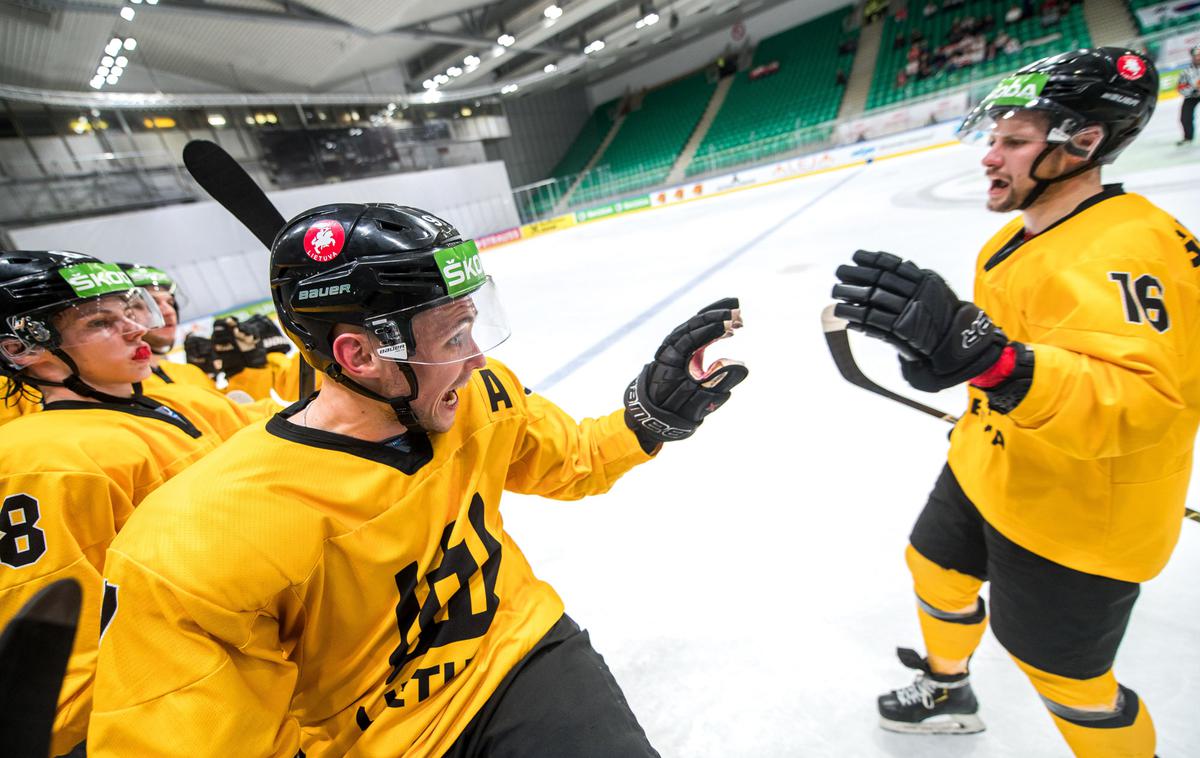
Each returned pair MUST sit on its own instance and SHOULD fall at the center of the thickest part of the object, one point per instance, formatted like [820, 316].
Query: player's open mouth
[451, 399]
[997, 186]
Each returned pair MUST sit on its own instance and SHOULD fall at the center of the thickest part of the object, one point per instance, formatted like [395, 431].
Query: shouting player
[1066, 478]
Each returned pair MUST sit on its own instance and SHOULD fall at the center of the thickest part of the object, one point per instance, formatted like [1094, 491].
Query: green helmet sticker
[1019, 91]
[95, 279]
[149, 276]
[461, 267]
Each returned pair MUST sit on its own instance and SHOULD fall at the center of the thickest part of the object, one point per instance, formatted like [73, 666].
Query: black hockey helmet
[1113, 87]
[378, 266]
[38, 286]
[152, 279]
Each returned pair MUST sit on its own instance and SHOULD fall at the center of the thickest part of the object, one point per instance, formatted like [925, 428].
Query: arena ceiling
[339, 46]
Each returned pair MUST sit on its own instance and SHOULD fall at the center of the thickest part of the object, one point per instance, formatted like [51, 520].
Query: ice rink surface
[748, 587]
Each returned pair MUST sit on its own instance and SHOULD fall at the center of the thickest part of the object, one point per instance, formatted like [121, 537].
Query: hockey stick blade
[838, 342]
[228, 183]
[839, 347]
[34, 649]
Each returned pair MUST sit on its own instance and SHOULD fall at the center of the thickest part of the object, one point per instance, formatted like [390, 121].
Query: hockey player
[1188, 87]
[339, 581]
[165, 292]
[1067, 475]
[73, 328]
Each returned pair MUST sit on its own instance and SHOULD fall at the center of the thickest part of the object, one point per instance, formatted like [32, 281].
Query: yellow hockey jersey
[281, 374]
[1091, 469]
[21, 405]
[299, 589]
[170, 372]
[69, 478]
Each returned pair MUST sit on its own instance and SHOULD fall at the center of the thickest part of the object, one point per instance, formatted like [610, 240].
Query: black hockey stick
[838, 342]
[34, 650]
[228, 183]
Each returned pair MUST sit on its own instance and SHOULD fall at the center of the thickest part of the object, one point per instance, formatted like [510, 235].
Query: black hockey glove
[236, 348]
[674, 392]
[199, 353]
[273, 339]
[943, 341]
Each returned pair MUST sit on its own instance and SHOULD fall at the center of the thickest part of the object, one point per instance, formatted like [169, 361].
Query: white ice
[748, 587]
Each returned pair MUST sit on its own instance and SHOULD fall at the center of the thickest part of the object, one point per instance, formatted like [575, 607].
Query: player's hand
[675, 391]
[943, 341]
[236, 348]
[273, 339]
[199, 353]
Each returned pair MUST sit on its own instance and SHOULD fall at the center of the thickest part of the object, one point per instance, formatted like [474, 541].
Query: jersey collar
[406, 453]
[1018, 239]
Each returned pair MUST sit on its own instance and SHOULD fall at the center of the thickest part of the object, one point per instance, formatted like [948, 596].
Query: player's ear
[1085, 142]
[353, 351]
[18, 354]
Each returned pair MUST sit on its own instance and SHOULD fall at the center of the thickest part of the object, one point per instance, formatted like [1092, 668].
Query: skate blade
[947, 723]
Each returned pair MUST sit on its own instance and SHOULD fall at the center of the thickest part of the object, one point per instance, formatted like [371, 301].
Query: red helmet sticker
[324, 240]
[1131, 67]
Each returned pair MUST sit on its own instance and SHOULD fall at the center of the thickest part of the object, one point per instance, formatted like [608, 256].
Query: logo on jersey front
[1131, 67]
[324, 240]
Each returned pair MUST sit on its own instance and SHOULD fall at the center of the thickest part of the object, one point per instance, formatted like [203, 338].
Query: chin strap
[400, 405]
[1041, 185]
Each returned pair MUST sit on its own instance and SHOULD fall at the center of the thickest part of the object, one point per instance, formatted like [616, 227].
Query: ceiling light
[432, 96]
[497, 51]
[97, 82]
[471, 60]
[136, 2]
[441, 78]
[121, 61]
[508, 89]
[272, 118]
[595, 47]
[127, 13]
[116, 71]
[131, 44]
[429, 84]
[550, 68]
[454, 71]
[113, 47]
[552, 12]
[102, 71]
[505, 40]
[151, 2]
[216, 119]
[108, 61]
[465, 111]
[112, 79]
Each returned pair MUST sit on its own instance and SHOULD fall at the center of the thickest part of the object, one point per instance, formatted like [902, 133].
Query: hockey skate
[932, 704]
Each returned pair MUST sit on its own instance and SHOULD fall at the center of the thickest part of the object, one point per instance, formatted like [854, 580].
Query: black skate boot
[932, 704]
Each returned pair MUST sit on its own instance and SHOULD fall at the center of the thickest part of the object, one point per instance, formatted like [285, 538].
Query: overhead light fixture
[102, 70]
[649, 17]
[505, 40]
[112, 79]
[130, 44]
[550, 68]
[441, 78]
[116, 71]
[216, 119]
[471, 61]
[108, 61]
[552, 12]
[429, 84]
[113, 47]
[151, 2]
[136, 2]
[121, 61]
[465, 111]
[97, 82]
[127, 13]
[595, 47]
[508, 89]
[454, 71]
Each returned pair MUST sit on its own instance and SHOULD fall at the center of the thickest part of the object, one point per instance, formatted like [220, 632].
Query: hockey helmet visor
[155, 280]
[108, 305]
[451, 329]
[1022, 94]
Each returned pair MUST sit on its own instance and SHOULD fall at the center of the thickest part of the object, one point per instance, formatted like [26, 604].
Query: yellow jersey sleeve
[20, 405]
[281, 374]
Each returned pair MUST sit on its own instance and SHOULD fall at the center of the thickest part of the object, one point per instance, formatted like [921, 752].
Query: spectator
[902, 14]
[930, 9]
[841, 78]
[901, 78]
[1012, 15]
[899, 41]
[987, 24]
[1012, 46]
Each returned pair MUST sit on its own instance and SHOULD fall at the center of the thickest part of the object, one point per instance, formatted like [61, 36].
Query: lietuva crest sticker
[324, 240]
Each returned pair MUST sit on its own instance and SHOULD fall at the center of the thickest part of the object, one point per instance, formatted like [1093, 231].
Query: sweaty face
[163, 338]
[105, 339]
[442, 337]
[1013, 145]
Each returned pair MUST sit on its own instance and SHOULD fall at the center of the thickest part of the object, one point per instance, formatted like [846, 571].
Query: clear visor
[452, 331]
[1039, 119]
[177, 298]
[116, 315]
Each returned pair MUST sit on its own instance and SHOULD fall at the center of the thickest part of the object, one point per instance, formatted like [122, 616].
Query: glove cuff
[653, 422]
[1009, 393]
